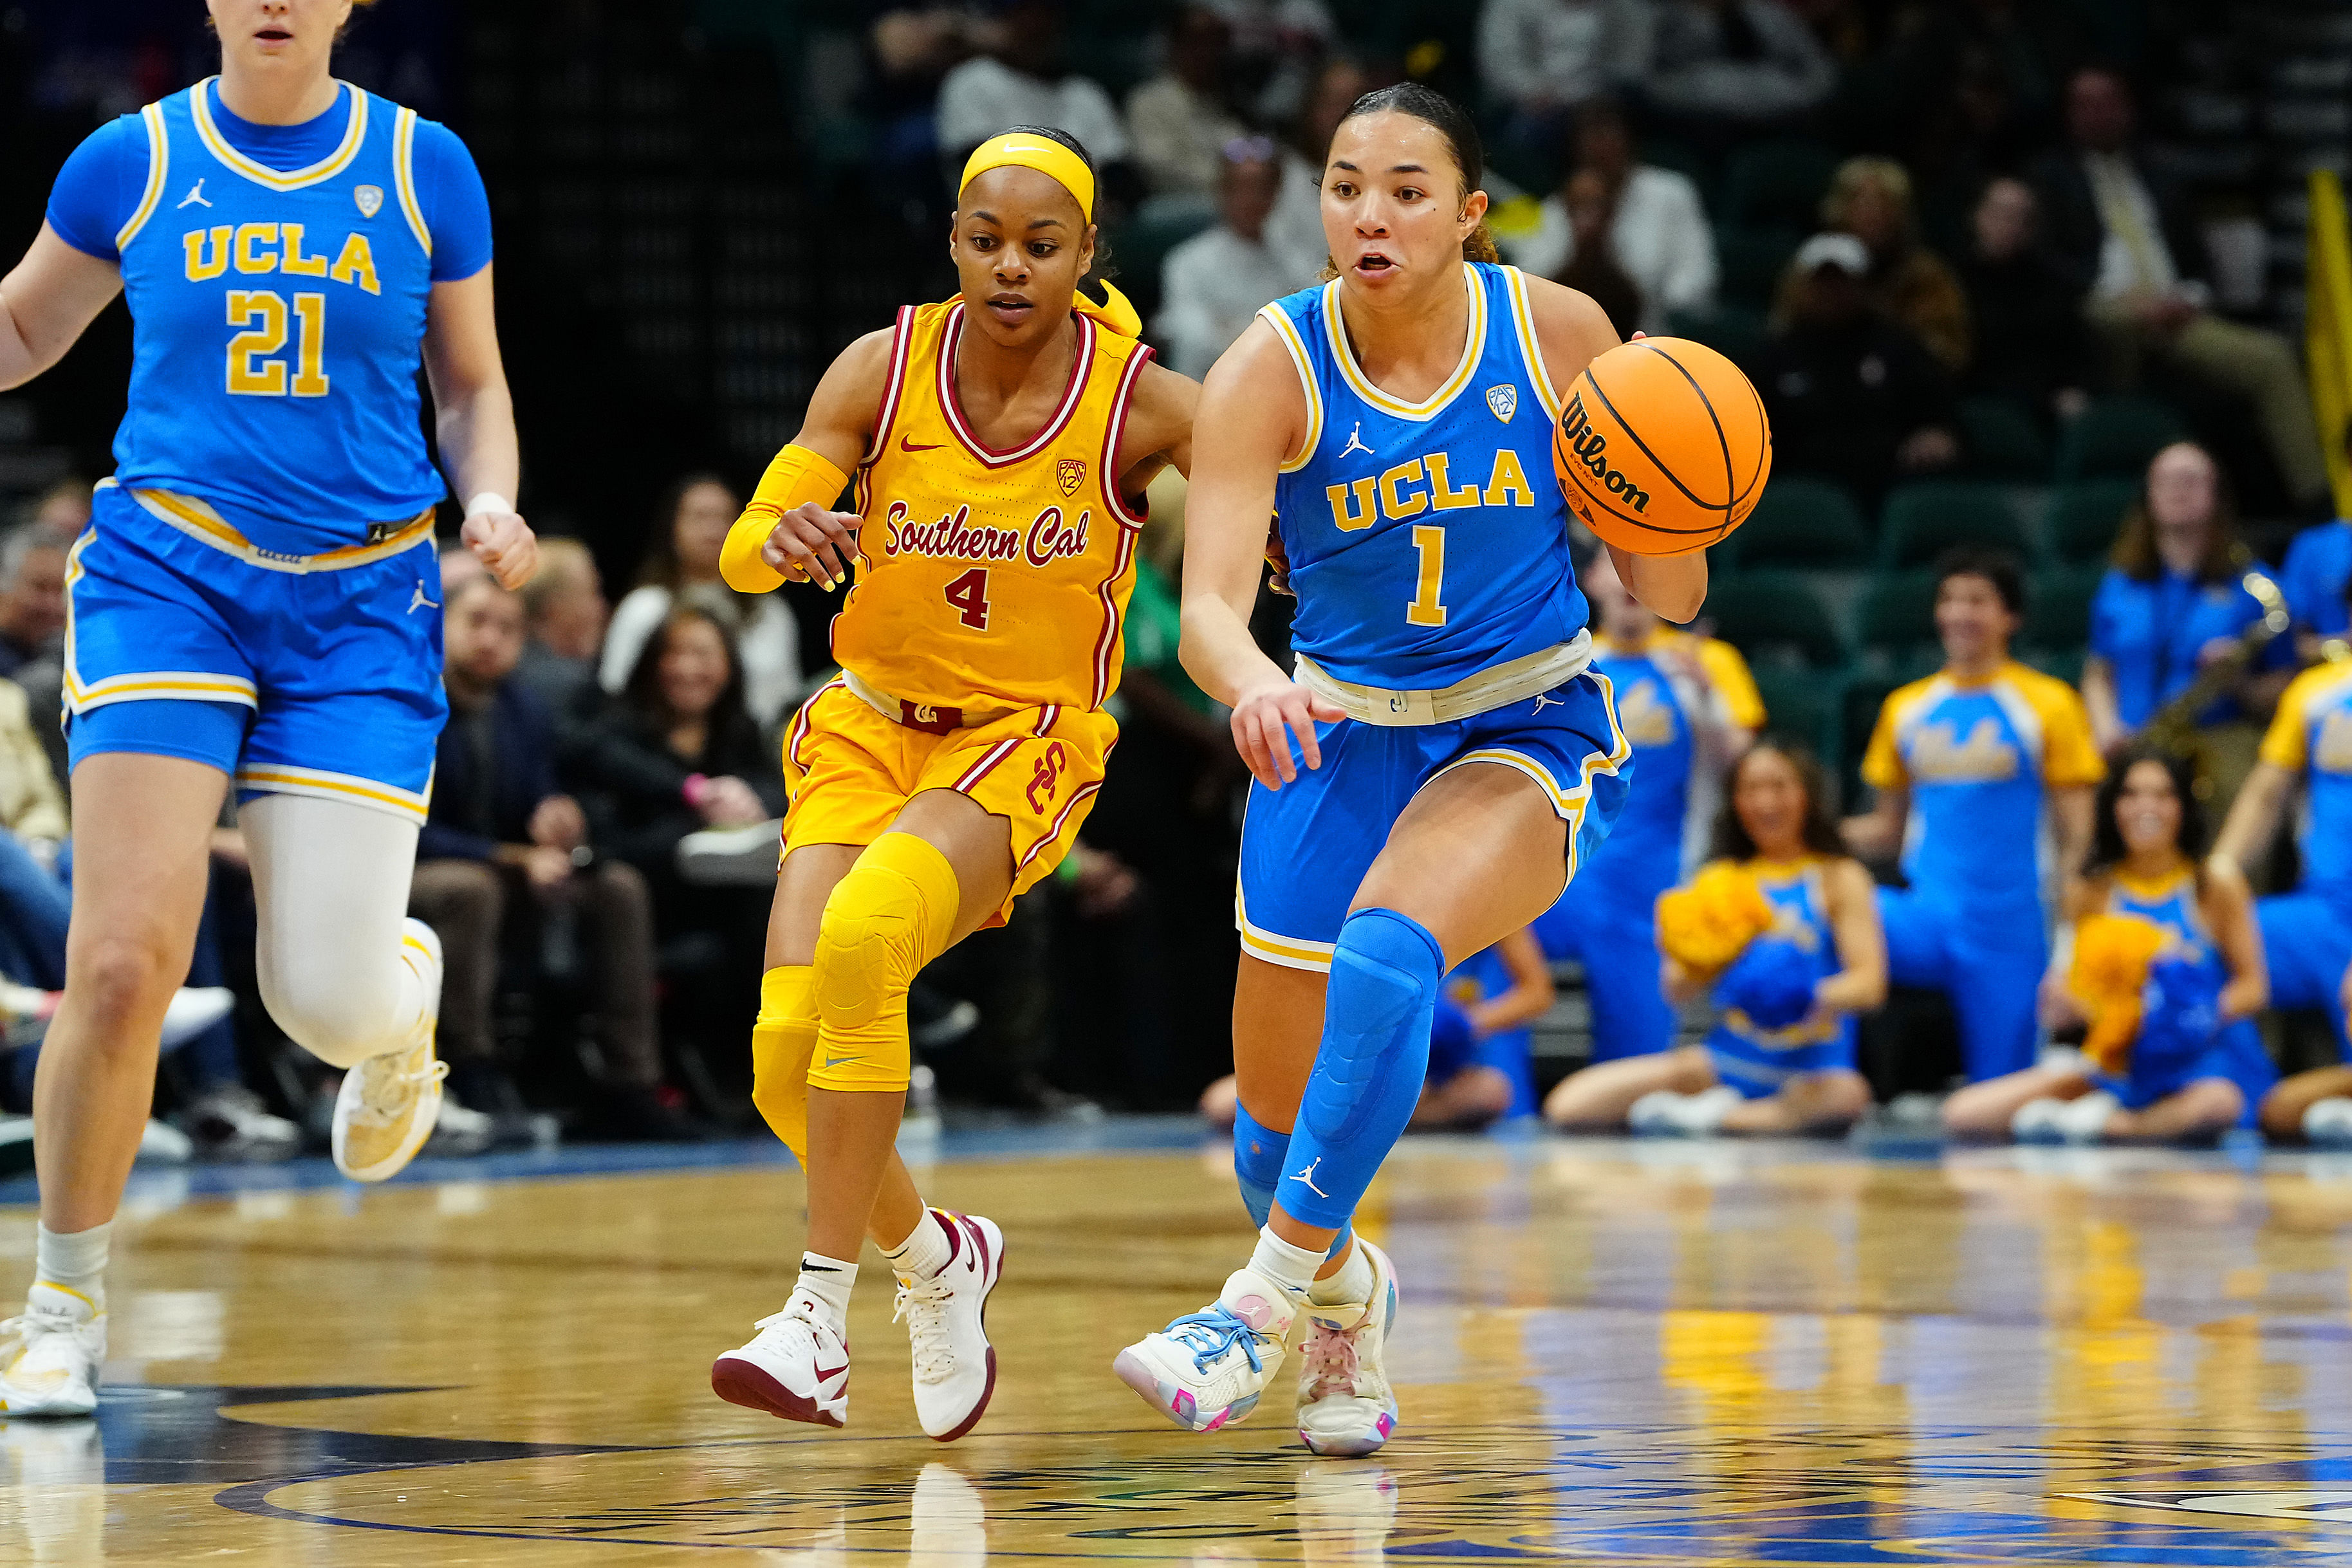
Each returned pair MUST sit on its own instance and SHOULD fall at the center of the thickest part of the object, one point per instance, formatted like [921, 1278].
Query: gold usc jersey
[985, 575]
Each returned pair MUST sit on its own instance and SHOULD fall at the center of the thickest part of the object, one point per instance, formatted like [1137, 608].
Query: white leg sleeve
[331, 887]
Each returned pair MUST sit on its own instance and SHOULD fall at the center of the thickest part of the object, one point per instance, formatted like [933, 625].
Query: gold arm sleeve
[797, 475]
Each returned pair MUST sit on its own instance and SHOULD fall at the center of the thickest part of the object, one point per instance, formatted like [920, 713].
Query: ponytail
[1480, 244]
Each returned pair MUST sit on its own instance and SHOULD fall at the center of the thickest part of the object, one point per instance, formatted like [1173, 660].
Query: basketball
[1662, 446]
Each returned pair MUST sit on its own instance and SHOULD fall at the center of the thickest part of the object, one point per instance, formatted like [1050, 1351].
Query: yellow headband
[1048, 157]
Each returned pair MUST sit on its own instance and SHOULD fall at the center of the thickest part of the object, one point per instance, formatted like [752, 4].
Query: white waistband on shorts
[200, 522]
[1499, 686]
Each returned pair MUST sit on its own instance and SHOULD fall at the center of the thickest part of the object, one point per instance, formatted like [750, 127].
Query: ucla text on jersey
[279, 319]
[1427, 542]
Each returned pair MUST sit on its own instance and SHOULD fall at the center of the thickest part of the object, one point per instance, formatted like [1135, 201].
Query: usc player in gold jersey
[1001, 442]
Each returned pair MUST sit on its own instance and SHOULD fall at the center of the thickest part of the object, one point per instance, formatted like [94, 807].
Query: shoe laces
[386, 1095]
[1213, 1335]
[923, 1307]
[28, 1328]
[1331, 1358]
[794, 1316]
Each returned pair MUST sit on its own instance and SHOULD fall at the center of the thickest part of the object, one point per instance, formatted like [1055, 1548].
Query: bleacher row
[1834, 609]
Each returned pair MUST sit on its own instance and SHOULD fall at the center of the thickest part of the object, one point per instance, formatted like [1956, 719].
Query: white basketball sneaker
[389, 1103]
[1346, 1408]
[50, 1356]
[796, 1367]
[1208, 1368]
[947, 1319]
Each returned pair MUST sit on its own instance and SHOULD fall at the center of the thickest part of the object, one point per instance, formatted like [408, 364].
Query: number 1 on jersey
[969, 594]
[1427, 608]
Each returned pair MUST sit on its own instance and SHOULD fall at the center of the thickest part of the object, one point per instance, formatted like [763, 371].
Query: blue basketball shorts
[1759, 1071]
[2307, 942]
[1307, 846]
[324, 681]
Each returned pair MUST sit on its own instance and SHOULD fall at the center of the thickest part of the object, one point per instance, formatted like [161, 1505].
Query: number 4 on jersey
[969, 594]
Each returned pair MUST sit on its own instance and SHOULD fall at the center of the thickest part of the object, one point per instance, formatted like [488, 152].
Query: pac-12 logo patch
[1070, 473]
[1504, 400]
[370, 201]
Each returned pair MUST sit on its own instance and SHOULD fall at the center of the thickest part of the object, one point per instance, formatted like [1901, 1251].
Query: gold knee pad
[783, 1040]
[889, 918]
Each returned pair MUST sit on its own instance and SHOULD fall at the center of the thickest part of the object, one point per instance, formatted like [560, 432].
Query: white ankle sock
[1350, 1284]
[924, 1251]
[1292, 1268]
[828, 1280]
[76, 1261]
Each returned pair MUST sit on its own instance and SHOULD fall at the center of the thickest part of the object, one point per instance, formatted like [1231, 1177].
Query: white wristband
[487, 501]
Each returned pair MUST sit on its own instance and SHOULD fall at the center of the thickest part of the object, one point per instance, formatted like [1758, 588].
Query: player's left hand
[505, 544]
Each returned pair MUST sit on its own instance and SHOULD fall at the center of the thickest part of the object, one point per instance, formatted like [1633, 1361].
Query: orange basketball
[1663, 447]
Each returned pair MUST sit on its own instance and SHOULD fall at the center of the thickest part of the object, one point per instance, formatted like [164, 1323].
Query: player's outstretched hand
[813, 544]
[1263, 721]
[505, 544]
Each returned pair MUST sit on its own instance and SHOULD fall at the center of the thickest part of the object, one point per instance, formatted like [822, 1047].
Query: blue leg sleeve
[1258, 1154]
[1368, 1073]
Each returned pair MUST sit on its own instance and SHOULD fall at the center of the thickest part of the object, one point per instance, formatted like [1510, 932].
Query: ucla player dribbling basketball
[1459, 759]
[255, 598]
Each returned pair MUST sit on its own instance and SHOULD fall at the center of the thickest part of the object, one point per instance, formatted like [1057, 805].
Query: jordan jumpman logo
[1306, 1177]
[1356, 442]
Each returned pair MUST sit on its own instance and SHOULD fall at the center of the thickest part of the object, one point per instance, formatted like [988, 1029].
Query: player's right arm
[789, 531]
[46, 302]
[1252, 414]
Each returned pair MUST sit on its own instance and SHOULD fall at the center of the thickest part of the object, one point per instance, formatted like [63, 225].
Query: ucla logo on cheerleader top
[1426, 540]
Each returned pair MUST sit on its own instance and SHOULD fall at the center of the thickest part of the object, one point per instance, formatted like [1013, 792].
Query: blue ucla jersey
[2171, 905]
[1757, 1061]
[1427, 541]
[277, 319]
[1979, 759]
[2313, 731]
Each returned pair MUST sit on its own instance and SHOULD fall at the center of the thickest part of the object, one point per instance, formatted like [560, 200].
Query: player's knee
[882, 923]
[334, 1020]
[1385, 970]
[119, 978]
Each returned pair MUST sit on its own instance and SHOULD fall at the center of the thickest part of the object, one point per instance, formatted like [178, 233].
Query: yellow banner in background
[2327, 329]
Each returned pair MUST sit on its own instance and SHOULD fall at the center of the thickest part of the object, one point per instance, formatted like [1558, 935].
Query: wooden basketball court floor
[1608, 1353]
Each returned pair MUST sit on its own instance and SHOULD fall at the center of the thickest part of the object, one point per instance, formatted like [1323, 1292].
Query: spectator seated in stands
[1295, 231]
[1724, 68]
[1851, 397]
[2160, 960]
[1655, 226]
[2029, 337]
[1782, 926]
[1021, 80]
[1179, 119]
[1543, 58]
[1908, 284]
[1985, 754]
[2171, 608]
[564, 612]
[677, 755]
[1481, 1049]
[61, 511]
[691, 527]
[2126, 236]
[505, 852]
[1276, 45]
[1213, 283]
[32, 595]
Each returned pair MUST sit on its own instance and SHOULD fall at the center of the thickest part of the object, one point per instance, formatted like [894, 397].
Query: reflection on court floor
[1609, 1353]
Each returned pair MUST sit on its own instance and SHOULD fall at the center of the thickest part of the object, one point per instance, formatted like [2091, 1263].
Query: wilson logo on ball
[1591, 448]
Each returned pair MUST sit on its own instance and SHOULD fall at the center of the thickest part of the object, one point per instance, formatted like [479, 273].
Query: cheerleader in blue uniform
[257, 599]
[2198, 1066]
[1787, 985]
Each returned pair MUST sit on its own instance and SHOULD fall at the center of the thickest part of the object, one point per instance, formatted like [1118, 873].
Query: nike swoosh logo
[907, 445]
[824, 1371]
[833, 1062]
